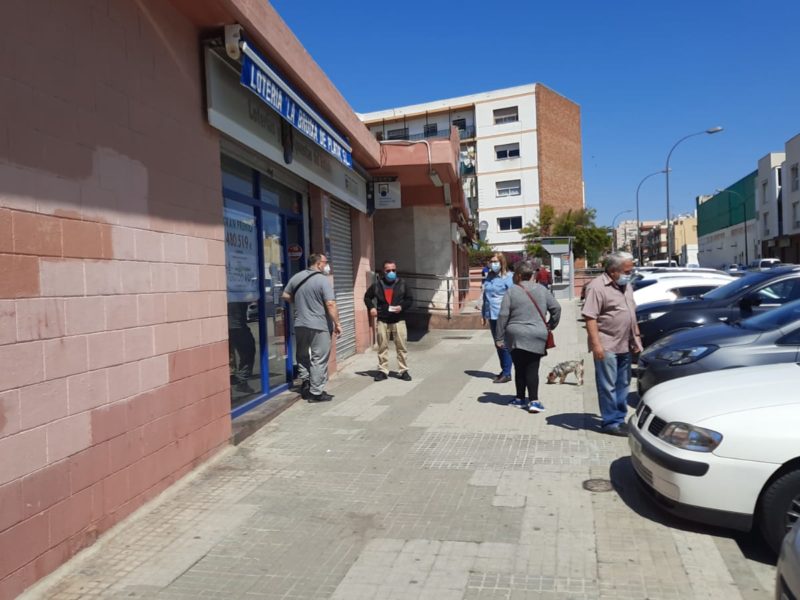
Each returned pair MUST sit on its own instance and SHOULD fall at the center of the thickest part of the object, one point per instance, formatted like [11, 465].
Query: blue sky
[644, 73]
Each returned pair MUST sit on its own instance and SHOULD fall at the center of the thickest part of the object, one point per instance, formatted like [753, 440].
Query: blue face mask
[391, 276]
[495, 267]
[624, 279]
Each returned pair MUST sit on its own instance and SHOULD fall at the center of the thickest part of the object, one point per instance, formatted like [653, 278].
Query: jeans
[526, 373]
[502, 353]
[613, 378]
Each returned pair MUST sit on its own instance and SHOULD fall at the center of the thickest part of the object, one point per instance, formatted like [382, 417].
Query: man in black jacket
[387, 300]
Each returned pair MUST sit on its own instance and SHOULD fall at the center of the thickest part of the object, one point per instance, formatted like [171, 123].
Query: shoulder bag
[551, 342]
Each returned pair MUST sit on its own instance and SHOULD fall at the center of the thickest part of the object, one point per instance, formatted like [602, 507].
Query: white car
[724, 447]
[673, 286]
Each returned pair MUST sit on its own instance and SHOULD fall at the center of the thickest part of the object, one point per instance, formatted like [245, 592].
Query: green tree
[590, 241]
[535, 230]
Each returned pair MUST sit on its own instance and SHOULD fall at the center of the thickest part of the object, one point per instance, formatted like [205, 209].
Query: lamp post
[744, 220]
[614, 227]
[638, 220]
[686, 137]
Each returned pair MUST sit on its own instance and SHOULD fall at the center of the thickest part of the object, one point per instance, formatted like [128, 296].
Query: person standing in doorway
[497, 283]
[613, 335]
[316, 316]
[387, 300]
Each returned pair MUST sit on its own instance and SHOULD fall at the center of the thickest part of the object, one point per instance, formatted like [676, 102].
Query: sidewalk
[429, 489]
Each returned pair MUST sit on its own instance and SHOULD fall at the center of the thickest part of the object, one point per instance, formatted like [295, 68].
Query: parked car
[763, 264]
[753, 293]
[724, 450]
[787, 578]
[769, 338]
[673, 287]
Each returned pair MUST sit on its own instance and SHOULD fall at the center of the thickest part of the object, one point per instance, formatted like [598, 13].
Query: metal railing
[466, 133]
[438, 294]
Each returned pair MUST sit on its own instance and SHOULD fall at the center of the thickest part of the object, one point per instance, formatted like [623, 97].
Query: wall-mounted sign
[295, 251]
[262, 81]
[387, 195]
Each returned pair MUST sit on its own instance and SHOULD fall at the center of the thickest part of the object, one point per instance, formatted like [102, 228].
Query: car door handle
[723, 319]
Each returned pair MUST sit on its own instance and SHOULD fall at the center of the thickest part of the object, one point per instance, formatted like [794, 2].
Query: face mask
[326, 269]
[495, 267]
[624, 279]
[391, 276]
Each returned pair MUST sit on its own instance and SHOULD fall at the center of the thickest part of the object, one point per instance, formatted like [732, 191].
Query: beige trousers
[400, 343]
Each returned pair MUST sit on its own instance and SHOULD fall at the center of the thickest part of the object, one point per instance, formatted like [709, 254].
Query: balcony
[463, 134]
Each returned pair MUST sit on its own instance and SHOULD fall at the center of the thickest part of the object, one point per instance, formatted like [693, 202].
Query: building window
[506, 115]
[509, 223]
[764, 192]
[397, 134]
[460, 124]
[795, 215]
[511, 187]
[780, 177]
[795, 178]
[431, 130]
[507, 151]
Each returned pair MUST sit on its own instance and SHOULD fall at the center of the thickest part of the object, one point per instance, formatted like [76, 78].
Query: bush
[478, 256]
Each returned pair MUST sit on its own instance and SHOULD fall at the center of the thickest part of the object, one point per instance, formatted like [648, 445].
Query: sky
[644, 73]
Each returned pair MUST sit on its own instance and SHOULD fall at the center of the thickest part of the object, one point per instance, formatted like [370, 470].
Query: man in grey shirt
[311, 293]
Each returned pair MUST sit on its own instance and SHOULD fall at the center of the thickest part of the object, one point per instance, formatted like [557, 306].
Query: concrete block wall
[113, 331]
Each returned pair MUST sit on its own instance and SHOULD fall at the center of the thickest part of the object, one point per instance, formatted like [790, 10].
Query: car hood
[719, 334]
[670, 305]
[696, 398]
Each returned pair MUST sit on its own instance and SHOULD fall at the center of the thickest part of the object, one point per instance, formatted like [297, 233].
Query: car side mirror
[747, 303]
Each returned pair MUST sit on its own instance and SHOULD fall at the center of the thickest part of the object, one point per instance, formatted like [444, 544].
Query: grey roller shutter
[343, 279]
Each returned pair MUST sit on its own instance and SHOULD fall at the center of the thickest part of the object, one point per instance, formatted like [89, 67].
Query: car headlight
[684, 356]
[650, 316]
[690, 437]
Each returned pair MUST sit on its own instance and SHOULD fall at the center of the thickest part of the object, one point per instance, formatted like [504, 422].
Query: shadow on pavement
[480, 374]
[415, 335]
[368, 373]
[495, 398]
[575, 421]
[635, 495]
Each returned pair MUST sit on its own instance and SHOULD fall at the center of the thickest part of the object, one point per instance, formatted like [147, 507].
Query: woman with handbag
[523, 330]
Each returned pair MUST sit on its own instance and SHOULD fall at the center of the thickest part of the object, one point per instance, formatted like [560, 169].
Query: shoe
[535, 407]
[305, 390]
[323, 397]
[518, 402]
[381, 376]
[620, 430]
[405, 376]
[245, 388]
[502, 379]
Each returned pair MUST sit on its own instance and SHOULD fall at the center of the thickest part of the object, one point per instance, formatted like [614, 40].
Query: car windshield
[734, 287]
[773, 319]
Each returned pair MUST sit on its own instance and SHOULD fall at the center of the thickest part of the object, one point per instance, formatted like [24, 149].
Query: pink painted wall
[113, 353]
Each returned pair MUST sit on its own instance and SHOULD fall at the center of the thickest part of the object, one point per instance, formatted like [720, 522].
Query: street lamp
[614, 227]
[744, 220]
[638, 220]
[686, 137]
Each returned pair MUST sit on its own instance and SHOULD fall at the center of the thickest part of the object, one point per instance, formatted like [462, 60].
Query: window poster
[241, 256]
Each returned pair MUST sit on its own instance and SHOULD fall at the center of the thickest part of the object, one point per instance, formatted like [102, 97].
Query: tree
[590, 241]
[535, 230]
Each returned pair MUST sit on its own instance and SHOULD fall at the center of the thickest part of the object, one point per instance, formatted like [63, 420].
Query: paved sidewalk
[429, 489]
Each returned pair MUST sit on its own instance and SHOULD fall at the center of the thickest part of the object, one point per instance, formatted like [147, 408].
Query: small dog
[561, 370]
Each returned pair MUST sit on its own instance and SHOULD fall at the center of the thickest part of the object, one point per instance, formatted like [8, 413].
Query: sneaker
[305, 390]
[381, 376]
[620, 430]
[518, 402]
[323, 397]
[535, 407]
[405, 376]
[502, 379]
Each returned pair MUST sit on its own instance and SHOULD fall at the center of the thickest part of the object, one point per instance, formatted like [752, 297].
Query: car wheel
[780, 508]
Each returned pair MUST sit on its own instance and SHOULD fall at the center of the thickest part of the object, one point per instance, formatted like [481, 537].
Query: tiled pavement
[433, 489]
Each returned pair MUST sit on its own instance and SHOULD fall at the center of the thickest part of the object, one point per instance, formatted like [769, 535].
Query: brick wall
[558, 124]
[113, 352]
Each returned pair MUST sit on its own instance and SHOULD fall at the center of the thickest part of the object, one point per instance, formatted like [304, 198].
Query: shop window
[236, 176]
[509, 223]
[506, 115]
[508, 188]
[506, 151]
[431, 130]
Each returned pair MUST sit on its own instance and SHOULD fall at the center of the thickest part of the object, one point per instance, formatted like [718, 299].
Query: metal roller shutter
[343, 279]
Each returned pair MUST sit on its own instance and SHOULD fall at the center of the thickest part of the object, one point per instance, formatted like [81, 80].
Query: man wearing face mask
[613, 335]
[316, 316]
[387, 300]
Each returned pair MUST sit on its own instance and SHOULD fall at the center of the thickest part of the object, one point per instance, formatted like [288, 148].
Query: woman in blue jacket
[497, 283]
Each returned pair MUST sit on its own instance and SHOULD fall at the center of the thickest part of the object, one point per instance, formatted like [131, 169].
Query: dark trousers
[244, 344]
[526, 373]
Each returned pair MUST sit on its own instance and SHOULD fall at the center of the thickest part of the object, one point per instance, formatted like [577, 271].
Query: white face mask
[326, 269]
[624, 279]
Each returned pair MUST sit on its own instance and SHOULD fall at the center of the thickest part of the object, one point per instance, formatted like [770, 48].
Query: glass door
[275, 350]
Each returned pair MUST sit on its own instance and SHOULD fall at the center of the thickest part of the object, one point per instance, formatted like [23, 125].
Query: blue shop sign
[276, 94]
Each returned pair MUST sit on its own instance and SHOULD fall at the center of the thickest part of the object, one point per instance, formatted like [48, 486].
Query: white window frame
[506, 151]
[509, 114]
[513, 188]
[510, 223]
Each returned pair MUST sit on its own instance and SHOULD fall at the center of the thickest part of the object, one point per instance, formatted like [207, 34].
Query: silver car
[787, 585]
[768, 338]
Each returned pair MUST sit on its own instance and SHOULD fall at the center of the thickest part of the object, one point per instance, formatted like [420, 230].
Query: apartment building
[625, 235]
[727, 225]
[520, 149]
[778, 202]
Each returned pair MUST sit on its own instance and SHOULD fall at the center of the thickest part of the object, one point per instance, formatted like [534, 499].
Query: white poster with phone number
[241, 256]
